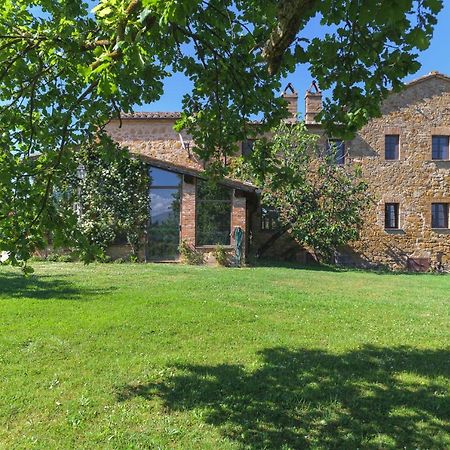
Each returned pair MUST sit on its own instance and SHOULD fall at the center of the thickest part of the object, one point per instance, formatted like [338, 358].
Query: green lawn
[165, 356]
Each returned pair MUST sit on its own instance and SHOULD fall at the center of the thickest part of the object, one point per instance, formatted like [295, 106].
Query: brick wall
[188, 210]
[239, 216]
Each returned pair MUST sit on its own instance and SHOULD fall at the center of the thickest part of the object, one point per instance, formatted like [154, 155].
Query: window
[391, 146]
[247, 147]
[164, 223]
[336, 148]
[213, 214]
[269, 218]
[439, 147]
[391, 216]
[439, 215]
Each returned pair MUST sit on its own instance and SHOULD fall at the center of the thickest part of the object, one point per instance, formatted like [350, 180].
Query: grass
[173, 357]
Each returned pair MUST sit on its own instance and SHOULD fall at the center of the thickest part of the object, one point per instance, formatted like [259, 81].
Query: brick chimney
[291, 96]
[313, 103]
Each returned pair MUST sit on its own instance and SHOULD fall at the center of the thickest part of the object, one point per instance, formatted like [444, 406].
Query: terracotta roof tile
[151, 115]
[161, 115]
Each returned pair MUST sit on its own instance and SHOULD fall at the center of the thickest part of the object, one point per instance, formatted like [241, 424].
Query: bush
[133, 259]
[53, 257]
[118, 261]
[65, 258]
[221, 255]
[189, 255]
[37, 258]
[105, 259]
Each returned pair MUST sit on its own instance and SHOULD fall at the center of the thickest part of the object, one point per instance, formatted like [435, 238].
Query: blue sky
[437, 57]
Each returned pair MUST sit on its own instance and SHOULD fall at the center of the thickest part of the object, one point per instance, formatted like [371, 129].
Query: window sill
[394, 231]
[441, 230]
[213, 247]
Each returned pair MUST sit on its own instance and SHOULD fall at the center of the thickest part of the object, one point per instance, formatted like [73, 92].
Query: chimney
[313, 103]
[292, 102]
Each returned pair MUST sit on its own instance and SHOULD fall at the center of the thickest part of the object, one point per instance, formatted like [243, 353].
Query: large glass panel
[213, 218]
[163, 178]
[164, 226]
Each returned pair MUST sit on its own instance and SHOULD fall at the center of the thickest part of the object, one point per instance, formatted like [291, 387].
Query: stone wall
[154, 138]
[414, 181]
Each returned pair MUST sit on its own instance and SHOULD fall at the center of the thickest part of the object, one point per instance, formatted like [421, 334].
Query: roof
[428, 76]
[177, 114]
[141, 115]
[167, 165]
[151, 115]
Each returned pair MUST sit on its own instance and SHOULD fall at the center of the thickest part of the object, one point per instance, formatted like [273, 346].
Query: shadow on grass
[266, 263]
[316, 267]
[368, 398]
[44, 287]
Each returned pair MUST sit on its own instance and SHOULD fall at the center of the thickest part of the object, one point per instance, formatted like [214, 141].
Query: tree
[66, 71]
[319, 201]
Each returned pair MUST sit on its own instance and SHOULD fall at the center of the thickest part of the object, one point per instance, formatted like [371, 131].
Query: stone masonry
[414, 181]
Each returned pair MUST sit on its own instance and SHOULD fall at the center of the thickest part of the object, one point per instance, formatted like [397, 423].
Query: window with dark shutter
[336, 148]
[269, 218]
[391, 215]
[440, 147]
[247, 147]
[391, 147]
[439, 215]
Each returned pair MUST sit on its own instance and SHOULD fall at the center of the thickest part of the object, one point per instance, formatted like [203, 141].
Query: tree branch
[291, 15]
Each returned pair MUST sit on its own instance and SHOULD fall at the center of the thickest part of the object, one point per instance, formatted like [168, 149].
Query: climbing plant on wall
[108, 193]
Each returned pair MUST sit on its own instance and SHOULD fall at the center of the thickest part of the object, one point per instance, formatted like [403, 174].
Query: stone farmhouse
[404, 156]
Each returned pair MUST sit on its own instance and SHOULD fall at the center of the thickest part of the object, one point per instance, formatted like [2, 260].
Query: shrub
[65, 258]
[53, 257]
[221, 255]
[133, 259]
[103, 258]
[37, 258]
[189, 255]
[110, 191]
